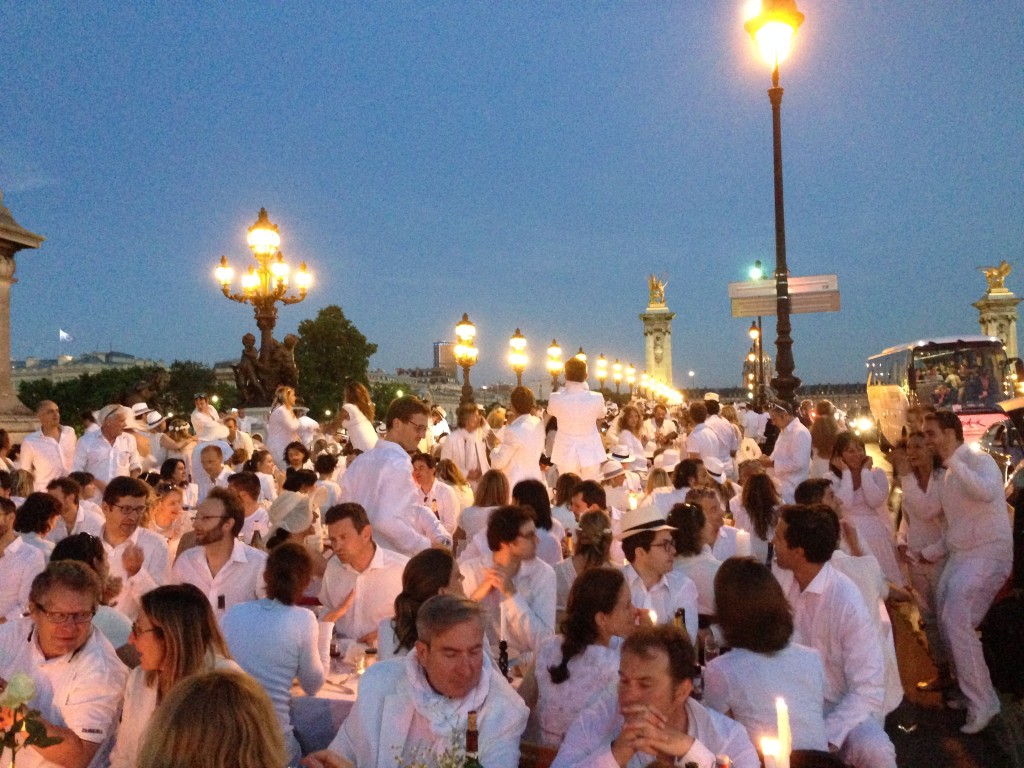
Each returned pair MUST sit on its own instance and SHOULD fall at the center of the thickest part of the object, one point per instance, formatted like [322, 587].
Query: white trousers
[868, 746]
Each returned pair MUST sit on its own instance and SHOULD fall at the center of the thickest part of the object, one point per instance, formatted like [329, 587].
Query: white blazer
[518, 456]
[577, 441]
[462, 444]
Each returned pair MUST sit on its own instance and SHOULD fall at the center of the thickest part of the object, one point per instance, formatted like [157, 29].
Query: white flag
[65, 336]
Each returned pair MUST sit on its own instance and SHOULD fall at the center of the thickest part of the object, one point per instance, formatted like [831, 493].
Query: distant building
[68, 367]
[444, 356]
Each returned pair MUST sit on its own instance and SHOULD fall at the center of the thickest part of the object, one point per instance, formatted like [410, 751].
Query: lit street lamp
[774, 28]
[465, 354]
[693, 381]
[554, 363]
[602, 371]
[757, 336]
[617, 375]
[266, 284]
[517, 355]
[581, 355]
[631, 379]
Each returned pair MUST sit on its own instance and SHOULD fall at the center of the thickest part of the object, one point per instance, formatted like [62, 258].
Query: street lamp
[617, 375]
[554, 363]
[757, 336]
[631, 379]
[581, 355]
[645, 383]
[602, 371]
[517, 355]
[693, 381]
[266, 284]
[465, 354]
[773, 28]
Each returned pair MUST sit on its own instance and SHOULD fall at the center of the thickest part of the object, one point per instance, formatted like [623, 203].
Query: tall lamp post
[266, 284]
[465, 354]
[693, 381]
[581, 355]
[602, 371]
[554, 363]
[517, 355]
[773, 29]
[617, 375]
[631, 379]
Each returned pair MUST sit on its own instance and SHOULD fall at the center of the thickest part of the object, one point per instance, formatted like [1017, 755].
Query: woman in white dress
[763, 664]
[550, 532]
[356, 417]
[176, 635]
[283, 424]
[758, 513]
[448, 472]
[492, 491]
[626, 431]
[573, 668]
[863, 490]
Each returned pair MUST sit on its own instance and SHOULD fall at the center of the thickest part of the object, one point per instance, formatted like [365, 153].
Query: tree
[88, 392]
[331, 352]
[382, 393]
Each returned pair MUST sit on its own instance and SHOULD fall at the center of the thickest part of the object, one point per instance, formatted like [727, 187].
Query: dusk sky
[530, 163]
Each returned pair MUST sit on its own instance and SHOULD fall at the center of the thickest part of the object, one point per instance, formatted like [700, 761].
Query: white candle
[653, 614]
[632, 501]
[785, 734]
[504, 622]
[770, 751]
[742, 543]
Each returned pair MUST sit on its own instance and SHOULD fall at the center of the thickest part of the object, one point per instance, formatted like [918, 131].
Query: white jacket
[518, 456]
[577, 441]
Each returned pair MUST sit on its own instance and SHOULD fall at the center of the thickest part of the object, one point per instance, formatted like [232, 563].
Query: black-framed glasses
[60, 617]
[138, 631]
[421, 428]
[128, 509]
[668, 545]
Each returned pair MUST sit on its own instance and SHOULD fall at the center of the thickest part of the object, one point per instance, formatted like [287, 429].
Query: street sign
[814, 293]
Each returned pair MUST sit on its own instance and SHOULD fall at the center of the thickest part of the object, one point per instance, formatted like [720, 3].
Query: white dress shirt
[467, 450]
[106, 460]
[529, 614]
[381, 481]
[376, 589]
[923, 526]
[670, 593]
[701, 570]
[704, 442]
[87, 520]
[153, 573]
[239, 580]
[971, 494]
[206, 483]
[588, 742]
[792, 458]
[444, 502]
[19, 564]
[47, 458]
[518, 455]
[577, 440]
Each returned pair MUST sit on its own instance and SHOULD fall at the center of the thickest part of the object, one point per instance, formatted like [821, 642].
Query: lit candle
[785, 734]
[653, 614]
[742, 543]
[504, 622]
[770, 751]
[632, 501]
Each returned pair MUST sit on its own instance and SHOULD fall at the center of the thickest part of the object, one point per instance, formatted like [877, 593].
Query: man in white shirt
[75, 517]
[790, 460]
[439, 498]
[829, 615]
[109, 451]
[650, 551]
[979, 541]
[659, 431]
[20, 562]
[522, 441]
[213, 473]
[236, 438]
[702, 443]
[728, 438]
[418, 705]
[362, 580]
[510, 579]
[439, 428]
[79, 681]
[578, 447]
[48, 453]
[256, 526]
[380, 480]
[466, 445]
[137, 555]
[223, 568]
[652, 719]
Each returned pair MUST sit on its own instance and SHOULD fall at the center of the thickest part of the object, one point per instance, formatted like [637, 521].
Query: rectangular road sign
[813, 293]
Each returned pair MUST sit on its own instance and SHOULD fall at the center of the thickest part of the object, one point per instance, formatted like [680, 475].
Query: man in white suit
[522, 441]
[578, 447]
[421, 703]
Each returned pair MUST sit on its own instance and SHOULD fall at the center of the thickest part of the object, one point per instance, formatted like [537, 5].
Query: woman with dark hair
[88, 549]
[764, 664]
[428, 573]
[863, 490]
[176, 636]
[562, 509]
[534, 494]
[693, 554]
[757, 514]
[293, 652]
[575, 666]
[592, 550]
[261, 463]
[35, 518]
[296, 456]
[824, 431]
[175, 472]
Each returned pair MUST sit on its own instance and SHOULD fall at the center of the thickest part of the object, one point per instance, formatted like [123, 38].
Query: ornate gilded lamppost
[602, 372]
[631, 379]
[773, 29]
[517, 355]
[617, 375]
[581, 355]
[554, 363]
[466, 354]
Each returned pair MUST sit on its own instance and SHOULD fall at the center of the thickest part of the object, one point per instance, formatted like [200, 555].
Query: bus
[969, 375]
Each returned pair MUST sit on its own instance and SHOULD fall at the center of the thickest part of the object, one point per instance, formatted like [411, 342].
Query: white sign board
[814, 293]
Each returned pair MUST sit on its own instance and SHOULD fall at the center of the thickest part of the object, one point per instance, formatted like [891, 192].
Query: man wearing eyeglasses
[137, 555]
[79, 680]
[650, 551]
[109, 451]
[381, 481]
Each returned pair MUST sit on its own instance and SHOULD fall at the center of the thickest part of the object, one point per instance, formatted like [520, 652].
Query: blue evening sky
[529, 163]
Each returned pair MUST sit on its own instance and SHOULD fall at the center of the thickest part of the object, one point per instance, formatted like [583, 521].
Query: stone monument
[657, 320]
[997, 309]
[14, 416]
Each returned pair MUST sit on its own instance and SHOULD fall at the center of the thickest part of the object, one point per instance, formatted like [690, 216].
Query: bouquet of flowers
[21, 726]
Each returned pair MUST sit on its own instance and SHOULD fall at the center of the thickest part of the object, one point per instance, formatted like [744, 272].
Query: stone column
[657, 320]
[14, 416]
[997, 309]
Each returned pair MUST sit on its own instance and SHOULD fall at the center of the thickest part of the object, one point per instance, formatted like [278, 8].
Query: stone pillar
[14, 416]
[657, 320]
[997, 309]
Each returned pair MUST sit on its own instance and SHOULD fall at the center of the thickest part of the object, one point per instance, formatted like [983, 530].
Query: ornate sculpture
[247, 379]
[657, 289]
[256, 379]
[996, 276]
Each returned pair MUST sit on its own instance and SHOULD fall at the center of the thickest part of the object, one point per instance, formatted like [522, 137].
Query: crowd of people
[620, 586]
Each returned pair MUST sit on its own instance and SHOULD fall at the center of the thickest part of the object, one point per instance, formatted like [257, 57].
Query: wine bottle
[472, 743]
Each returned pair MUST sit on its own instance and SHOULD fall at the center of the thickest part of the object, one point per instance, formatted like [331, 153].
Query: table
[316, 719]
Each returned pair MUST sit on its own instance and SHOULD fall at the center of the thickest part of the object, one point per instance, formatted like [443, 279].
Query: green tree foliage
[382, 394]
[331, 352]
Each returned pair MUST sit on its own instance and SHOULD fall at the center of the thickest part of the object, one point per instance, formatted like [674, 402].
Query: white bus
[969, 375]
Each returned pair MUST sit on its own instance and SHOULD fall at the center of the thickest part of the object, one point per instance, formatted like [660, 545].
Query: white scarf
[443, 713]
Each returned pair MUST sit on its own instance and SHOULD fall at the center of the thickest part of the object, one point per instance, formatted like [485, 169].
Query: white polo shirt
[238, 581]
[81, 690]
[19, 564]
[376, 589]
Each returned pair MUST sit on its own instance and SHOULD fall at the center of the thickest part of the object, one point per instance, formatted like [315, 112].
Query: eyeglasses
[668, 546]
[421, 428]
[529, 535]
[138, 631]
[126, 509]
[57, 617]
